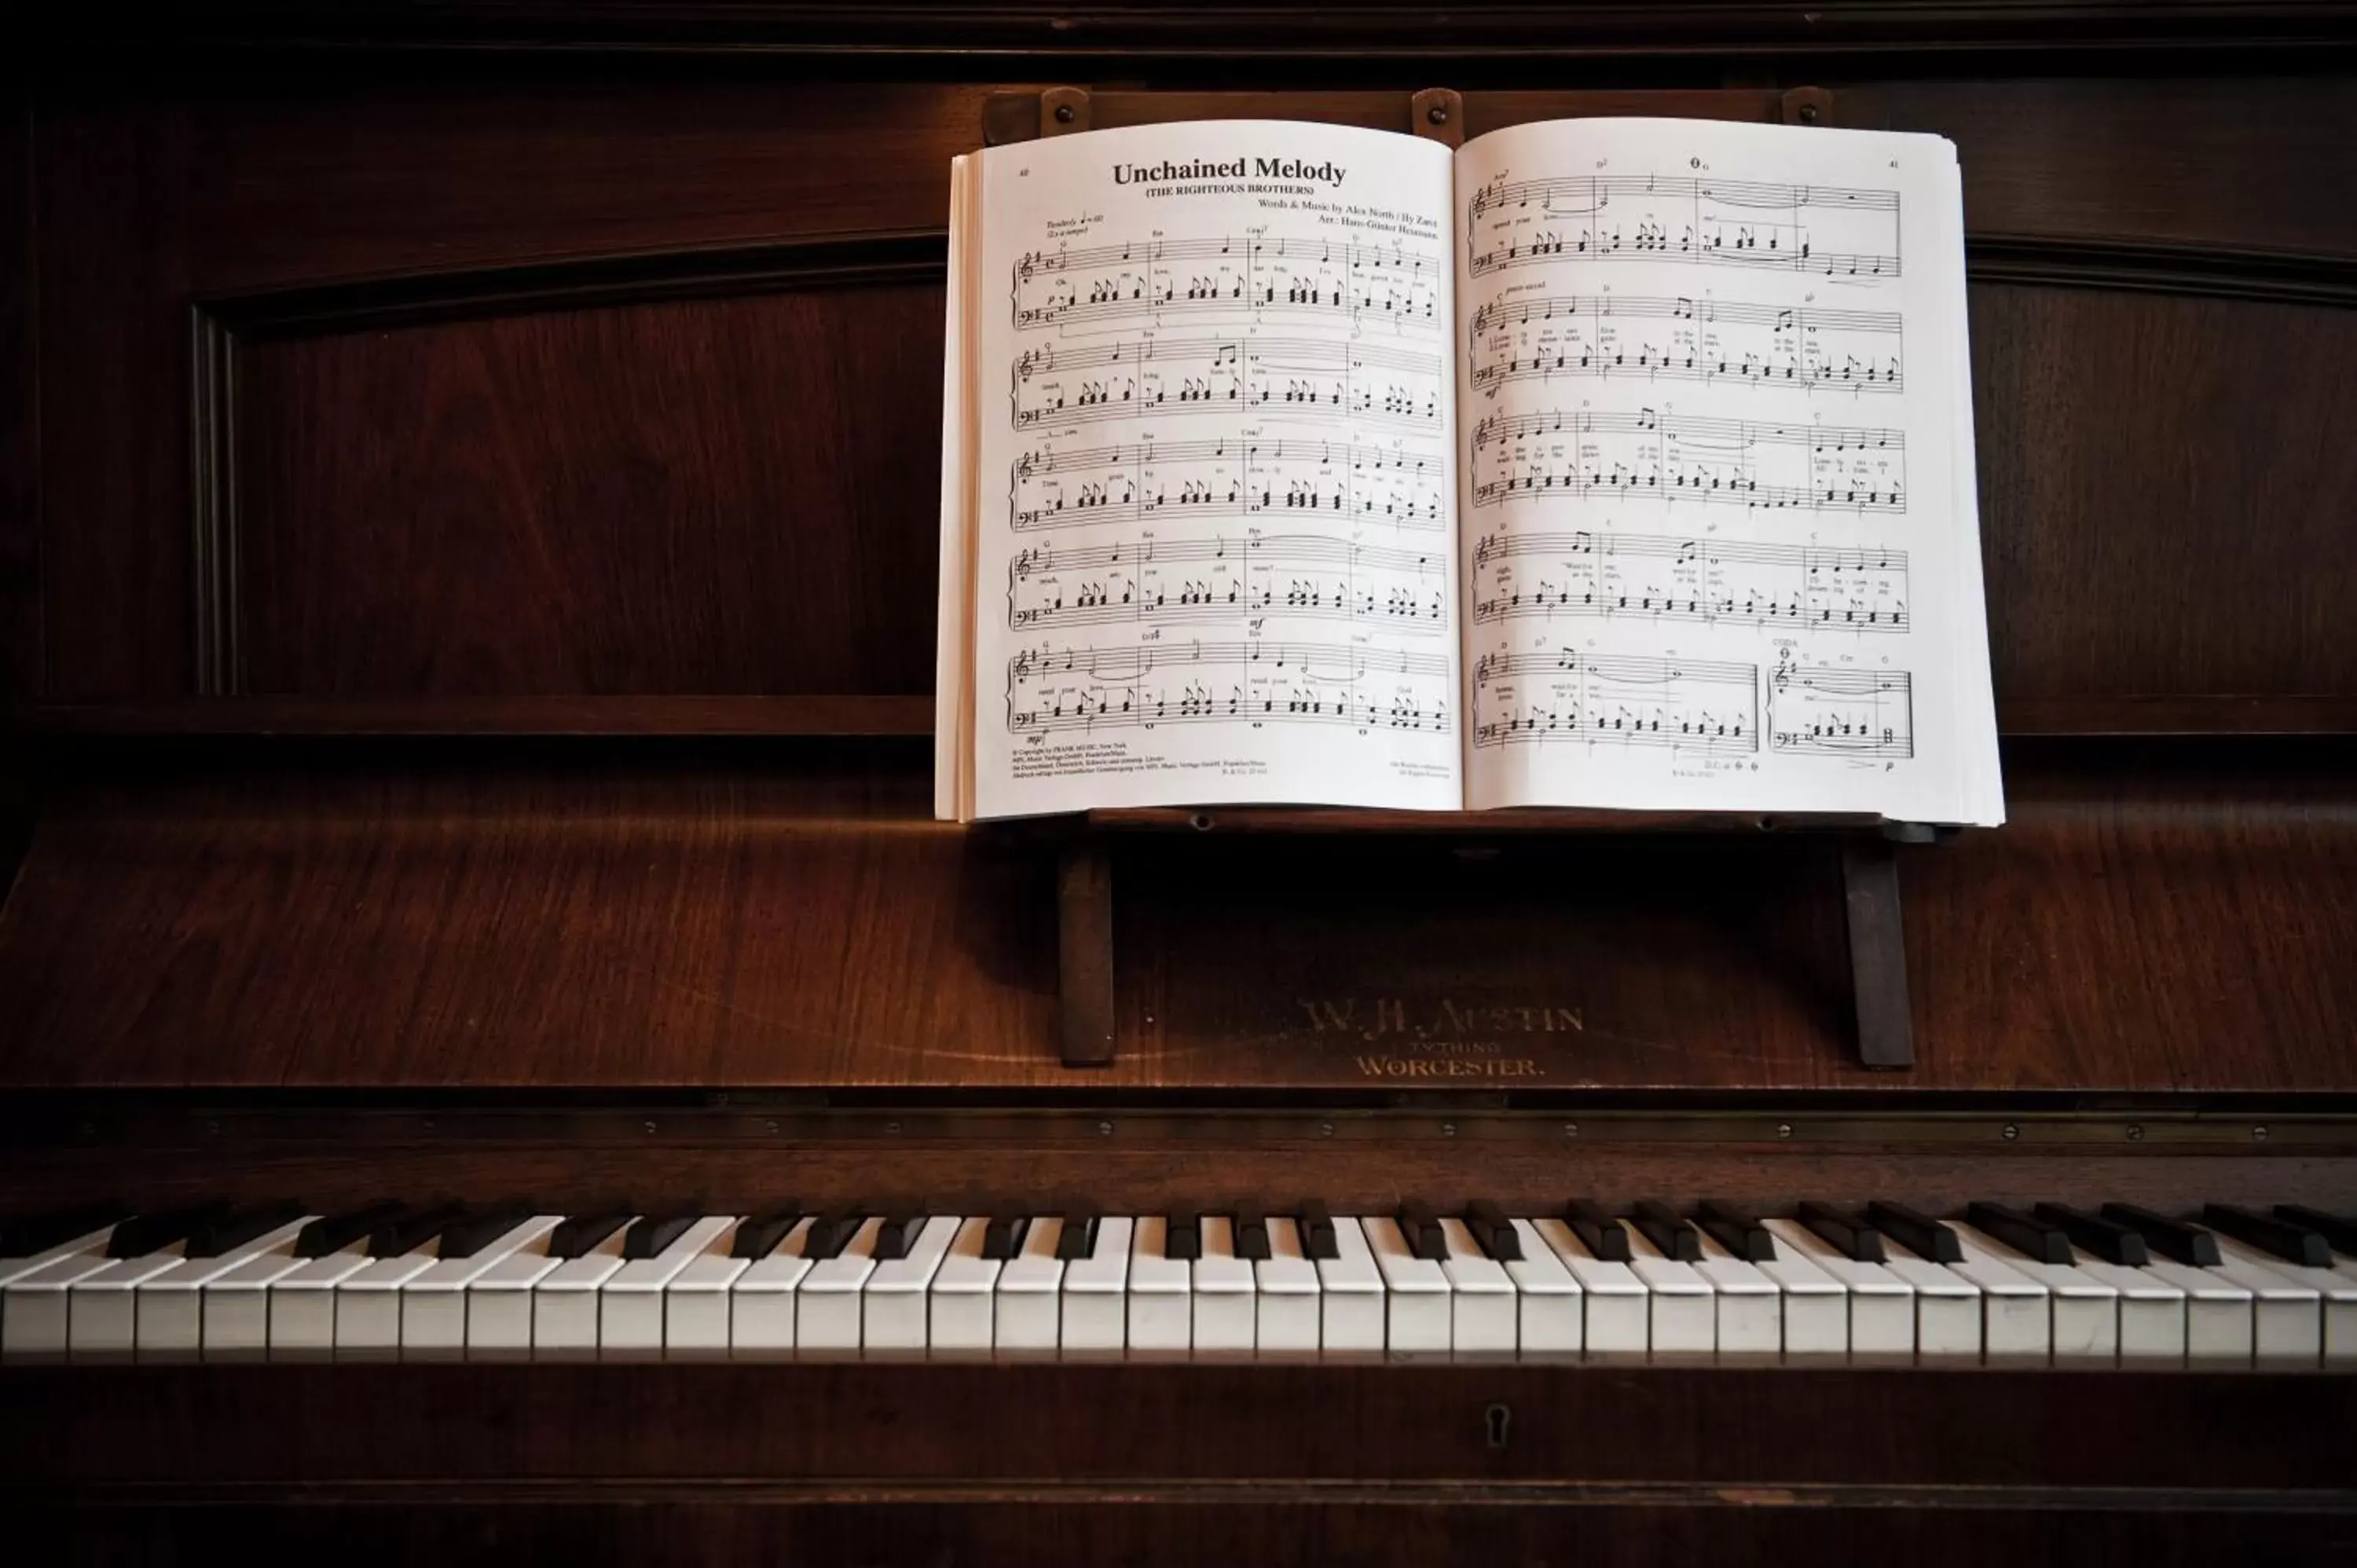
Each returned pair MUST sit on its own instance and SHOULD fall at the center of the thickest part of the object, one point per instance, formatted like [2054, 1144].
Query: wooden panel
[1135, 1524]
[1348, 1423]
[698, 496]
[2164, 494]
[591, 924]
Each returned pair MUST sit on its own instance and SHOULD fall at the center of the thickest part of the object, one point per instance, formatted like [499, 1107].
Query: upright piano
[497, 1058]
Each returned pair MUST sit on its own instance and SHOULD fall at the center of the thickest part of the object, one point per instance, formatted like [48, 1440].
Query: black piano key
[1421, 1230]
[1078, 1239]
[1182, 1237]
[410, 1229]
[580, 1235]
[1493, 1231]
[1002, 1238]
[479, 1228]
[2168, 1236]
[831, 1233]
[1737, 1229]
[1319, 1242]
[757, 1235]
[2033, 1238]
[2114, 1243]
[238, 1227]
[2276, 1238]
[1919, 1233]
[1252, 1234]
[899, 1232]
[1666, 1228]
[650, 1234]
[144, 1233]
[334, 1232]
[2339, 1231]
[31, 1233]
[1597, 1231]
[1846, 1233]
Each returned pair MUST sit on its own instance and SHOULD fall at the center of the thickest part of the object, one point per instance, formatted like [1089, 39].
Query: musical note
[1757, 345]
[1704, 705]
[1833, 231]
[1134, 379]
[1195, 278]
[1251, 681]
[1664, 578]
[1760, 465]
[1841, 712]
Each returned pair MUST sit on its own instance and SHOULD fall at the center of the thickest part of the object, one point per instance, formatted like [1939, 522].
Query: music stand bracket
[1869, 865]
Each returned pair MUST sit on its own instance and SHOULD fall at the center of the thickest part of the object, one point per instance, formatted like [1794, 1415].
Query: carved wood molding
[1500, 29]
[220, 326]
[2197, 270]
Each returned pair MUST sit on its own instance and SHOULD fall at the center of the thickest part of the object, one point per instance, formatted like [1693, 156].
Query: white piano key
[897, 1304]
[827, 1308]
[34, 1320]
[1750, 1305]
[964, 1289]
[102, 1313]
[302, 1311]
[1225, 1312]
[762, 1303]
[1620, 1307]
[2341, 1311]
[2152, 1310]
[15, 1269]
[1161, 1291]
[1549, 1303]
[1948, 1312]
[1285, 1302]
[2218, 1325]
[1684, 1309]
[369, 1302]
[1028, 1307]
[237, 1304]
[631, 1304]
[499, 1300]
[1415, 1290]
[1351, 1301]
[2016, 1321]
[1814, 1306]
[696, 1303]
[1484, 1312]
[170, 1314]
[2082, 1311]
[2287, 1315]
[565, 1299]
[1096, 1290]
[434, 1304]
[1878, 1305]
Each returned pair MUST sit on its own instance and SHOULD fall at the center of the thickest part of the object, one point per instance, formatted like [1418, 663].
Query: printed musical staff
[1248, 682]
[1149, 376]
[1802, 586]
[1246, 475]
[1706, 705]
[1152, 581]
[1830, 230]
[1249, 277]
[1764, 465]
[1841, 712]
[1606, 335]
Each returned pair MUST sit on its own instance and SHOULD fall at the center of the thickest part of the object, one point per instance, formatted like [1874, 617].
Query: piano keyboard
[2117, 1284]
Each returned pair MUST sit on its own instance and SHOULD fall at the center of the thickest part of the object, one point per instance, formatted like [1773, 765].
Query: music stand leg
[1877, 953]
[1085, 951]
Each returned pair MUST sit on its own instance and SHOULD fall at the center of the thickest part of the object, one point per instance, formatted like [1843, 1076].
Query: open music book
[1600, 462]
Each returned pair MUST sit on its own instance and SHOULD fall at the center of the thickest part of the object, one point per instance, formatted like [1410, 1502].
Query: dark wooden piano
[469, 486]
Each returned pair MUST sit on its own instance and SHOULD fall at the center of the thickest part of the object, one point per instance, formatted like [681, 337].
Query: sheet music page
[1719, 550]
[1213, 551]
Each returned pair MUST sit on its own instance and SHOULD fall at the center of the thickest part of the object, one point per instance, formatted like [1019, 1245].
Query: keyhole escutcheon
[1494, 1421]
